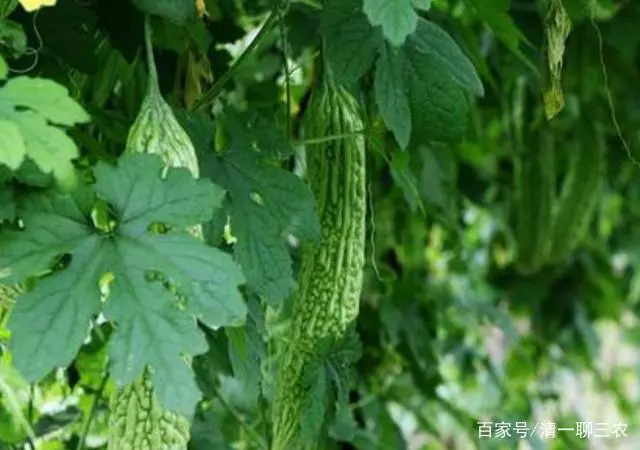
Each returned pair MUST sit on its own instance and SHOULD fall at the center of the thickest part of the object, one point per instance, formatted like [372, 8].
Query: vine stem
[607, 90]
[151, 61]
[92, 412]
[215, 90]
[287, 73]
[334, 137]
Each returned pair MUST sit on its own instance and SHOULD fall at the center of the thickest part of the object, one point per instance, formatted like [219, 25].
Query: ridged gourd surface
[138, 422]
[330, 278]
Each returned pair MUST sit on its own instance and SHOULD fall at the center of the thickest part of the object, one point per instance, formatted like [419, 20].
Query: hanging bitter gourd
[138, 421]
[330, 278]
[579, 195]
[536, 187]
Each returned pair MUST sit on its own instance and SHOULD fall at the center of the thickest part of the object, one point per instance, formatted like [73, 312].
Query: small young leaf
[397, 18]
[46, 97]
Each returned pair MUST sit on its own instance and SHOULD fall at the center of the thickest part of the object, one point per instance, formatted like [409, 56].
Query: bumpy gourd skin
[536, 189]
[579, 197]
[156, 129]
[138, 421]
[330, 280]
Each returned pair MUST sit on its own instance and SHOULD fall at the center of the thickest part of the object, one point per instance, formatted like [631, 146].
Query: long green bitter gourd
[579, 195]
[330, 279]
[138, 421]
[536, 195]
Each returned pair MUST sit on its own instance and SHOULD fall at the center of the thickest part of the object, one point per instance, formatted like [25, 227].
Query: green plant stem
[92, 412]
[287, 74]
[151, 62]
[215, 90]
[335, 137]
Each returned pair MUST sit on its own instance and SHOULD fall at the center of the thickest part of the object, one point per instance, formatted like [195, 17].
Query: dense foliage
[163, 213]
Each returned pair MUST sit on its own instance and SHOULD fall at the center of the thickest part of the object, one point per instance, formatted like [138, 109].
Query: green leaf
[177, 11]
[7, 7]
[436, 73]
[13, 39]
[151, 330]
[438, 106]
[351, 42]
[246, 352]
[436, 184]
[50, 322]
[326, 382]
[206, 433]
[391, 94]
[266, 202]
[397, 18]
[46, 97]
[29, 108]
[49, 147]
[495, 14]
[406, 180]
[92, 359]
[141, 196]
[12, 146]
[145, 312]
[432, 43]
[314, 405]
[153, 325]
[55, 224]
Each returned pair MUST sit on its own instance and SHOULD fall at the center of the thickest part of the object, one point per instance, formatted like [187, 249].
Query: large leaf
[266, 202]
[154, 325]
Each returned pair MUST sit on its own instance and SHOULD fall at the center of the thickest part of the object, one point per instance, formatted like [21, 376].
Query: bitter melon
[330, 278]
[579, 196]
[536, 194]
[138, 421]
[156, 129]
